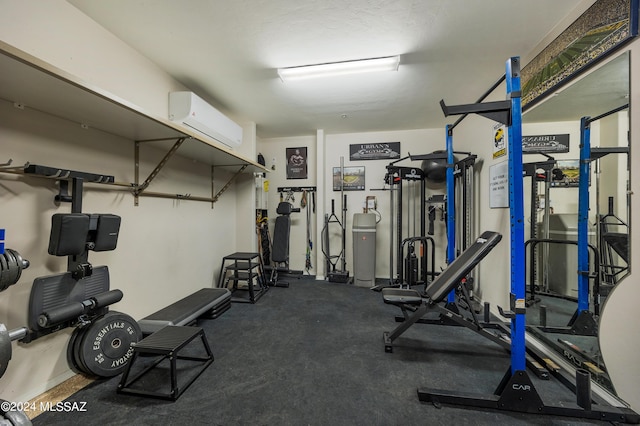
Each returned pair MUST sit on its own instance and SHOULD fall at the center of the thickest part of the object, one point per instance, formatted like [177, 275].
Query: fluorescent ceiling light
[389, 63]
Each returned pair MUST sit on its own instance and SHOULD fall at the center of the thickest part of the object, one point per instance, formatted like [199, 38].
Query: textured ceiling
[227, 52]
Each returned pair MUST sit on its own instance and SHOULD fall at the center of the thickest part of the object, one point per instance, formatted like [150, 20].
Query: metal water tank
[364, 249]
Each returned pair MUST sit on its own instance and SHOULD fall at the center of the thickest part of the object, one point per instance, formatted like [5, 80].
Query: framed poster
[602, 29]
[571, 174]
[297, 163]
[353, 179]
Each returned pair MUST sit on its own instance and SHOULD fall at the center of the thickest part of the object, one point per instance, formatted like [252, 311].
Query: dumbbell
[6, 337]
[11, 266]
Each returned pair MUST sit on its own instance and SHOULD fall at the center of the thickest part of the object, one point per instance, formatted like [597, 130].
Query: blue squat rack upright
[587, 156]
[516, 391]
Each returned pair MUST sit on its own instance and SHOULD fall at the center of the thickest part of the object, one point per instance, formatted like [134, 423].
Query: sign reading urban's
[374, 151]
[545, 143]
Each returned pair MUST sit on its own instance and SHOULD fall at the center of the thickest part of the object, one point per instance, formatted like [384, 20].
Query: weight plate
[106, 344]
[4, 273]
[77, 351]
[71, 357]
[14, 268]
[5, 349]
[19, 263]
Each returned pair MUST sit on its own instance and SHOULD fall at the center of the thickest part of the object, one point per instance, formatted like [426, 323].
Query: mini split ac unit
[189, 109]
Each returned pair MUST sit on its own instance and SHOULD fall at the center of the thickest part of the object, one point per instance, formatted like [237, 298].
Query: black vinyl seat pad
[185, 310]
[450, 277]
[281, 231]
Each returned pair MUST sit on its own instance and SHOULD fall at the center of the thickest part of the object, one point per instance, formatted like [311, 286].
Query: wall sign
[499, 185]
[499, 141]
[374, 151]
[545, 143]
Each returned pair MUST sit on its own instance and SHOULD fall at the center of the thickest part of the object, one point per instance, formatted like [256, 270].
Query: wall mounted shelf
[30, 83]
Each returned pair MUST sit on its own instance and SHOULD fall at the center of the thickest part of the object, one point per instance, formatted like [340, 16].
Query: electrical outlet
[371, 203]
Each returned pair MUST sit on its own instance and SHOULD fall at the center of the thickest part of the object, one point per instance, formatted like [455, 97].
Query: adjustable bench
[209, 302]
[437, 291]
[280, 249]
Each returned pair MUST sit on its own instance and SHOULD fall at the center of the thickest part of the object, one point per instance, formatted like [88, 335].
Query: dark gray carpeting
[313, 354]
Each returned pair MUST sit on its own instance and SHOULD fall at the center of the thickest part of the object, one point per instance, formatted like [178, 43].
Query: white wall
[336, 146]
[411, 141]
[167, 248]
[274, 152]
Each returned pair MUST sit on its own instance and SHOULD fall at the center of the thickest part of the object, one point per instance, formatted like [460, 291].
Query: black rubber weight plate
[77, 351]
[71, 351]
[4, 273]
[105, 346]
[18, 260]
[14, 269]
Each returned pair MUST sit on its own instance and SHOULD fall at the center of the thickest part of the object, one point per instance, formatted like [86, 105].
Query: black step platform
[166, 344]
[206, 302]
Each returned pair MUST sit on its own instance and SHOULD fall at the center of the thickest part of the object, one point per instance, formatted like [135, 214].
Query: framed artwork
[353, 178]
[297, 163]
[602, 29]
[571, 171]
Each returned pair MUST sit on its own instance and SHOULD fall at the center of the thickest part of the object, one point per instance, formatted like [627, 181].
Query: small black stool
[244, 267]
[166, 343]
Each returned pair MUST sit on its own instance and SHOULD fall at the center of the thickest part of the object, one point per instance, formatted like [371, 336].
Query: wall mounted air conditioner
[189, 109]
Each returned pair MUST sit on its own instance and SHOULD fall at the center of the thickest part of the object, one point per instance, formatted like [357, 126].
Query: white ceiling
[228, 52]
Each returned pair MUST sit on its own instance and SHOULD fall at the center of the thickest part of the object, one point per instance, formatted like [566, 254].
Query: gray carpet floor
[312, 354]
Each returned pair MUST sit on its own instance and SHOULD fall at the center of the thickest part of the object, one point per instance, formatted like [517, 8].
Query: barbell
[6, 337]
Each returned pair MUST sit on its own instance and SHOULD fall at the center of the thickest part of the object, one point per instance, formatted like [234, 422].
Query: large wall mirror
[552, 132]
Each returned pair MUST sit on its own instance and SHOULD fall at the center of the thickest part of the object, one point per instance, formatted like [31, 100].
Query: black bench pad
[186, 310]
[461, 266]
[401, 296]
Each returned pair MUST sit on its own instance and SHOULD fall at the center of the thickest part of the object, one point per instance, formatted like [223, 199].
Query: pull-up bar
[482, 98]
[608, 113]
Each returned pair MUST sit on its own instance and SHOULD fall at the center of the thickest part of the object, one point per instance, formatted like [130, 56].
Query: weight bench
[437, 291]
[206, 302]
[280, 249]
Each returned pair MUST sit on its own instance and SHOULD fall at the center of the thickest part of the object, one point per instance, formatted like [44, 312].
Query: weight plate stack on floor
[103, 348]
